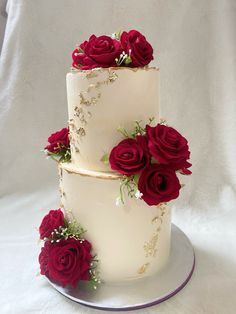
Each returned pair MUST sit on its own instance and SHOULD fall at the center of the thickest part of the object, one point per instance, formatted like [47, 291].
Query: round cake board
[143, 292]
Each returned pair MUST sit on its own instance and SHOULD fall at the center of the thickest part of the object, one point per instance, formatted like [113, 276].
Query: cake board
[143, 292]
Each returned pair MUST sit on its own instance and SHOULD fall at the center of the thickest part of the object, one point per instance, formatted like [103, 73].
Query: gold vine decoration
[150, 247]
[86, 100]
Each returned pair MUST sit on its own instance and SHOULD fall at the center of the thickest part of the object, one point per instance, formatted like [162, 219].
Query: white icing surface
[133, 95]
[118, 234]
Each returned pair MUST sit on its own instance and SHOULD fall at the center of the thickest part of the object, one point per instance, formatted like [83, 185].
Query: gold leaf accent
[143, 268]
[92, 100]
[156, 219]
[92, 73]
[88, 102]
[88, 97]
[112, 77]
[91, 87]
[73, 144]
[79, 112]
[81, 131]
[61, 191]
[150, 246]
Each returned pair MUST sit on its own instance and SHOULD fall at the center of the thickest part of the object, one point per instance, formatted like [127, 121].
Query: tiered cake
[131, 240]
[117, 170]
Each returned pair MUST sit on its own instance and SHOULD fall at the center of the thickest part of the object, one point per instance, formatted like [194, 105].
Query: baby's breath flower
[138, 194]
[118, 201]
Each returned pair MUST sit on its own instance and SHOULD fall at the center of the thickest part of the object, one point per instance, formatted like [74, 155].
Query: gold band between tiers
[120, 68]
[89, 173]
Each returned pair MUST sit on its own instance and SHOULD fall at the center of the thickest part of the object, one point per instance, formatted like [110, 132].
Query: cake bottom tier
[131, 240]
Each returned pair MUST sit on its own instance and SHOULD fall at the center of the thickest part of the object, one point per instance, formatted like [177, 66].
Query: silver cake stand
[142, 292]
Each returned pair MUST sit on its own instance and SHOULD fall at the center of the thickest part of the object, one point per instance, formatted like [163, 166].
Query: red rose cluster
[104, 51]
[63, 258]
[155, 157]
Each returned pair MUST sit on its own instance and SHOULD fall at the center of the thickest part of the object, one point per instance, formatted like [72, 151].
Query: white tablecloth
[194, 44]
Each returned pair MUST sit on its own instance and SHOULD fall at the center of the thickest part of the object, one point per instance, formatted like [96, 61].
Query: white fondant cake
[100, 101]
[132, 240]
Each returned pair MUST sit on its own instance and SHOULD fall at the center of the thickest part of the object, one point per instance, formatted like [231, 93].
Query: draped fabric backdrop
[195, 48]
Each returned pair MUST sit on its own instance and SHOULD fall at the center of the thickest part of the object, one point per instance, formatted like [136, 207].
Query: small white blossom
[118, 201]
[138, 195]
[113, 36]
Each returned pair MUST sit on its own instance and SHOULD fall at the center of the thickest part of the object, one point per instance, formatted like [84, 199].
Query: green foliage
[105, 159]
[130, 184]
[63, 156]
[116, 35]
[139, 129]
[124, 59]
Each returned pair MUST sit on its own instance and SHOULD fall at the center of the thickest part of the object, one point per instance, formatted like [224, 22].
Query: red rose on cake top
[96, 52]
[126, 49]
[139, 49]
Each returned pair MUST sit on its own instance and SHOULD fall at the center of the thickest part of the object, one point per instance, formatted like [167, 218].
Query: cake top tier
[103, 100]
[129, 49]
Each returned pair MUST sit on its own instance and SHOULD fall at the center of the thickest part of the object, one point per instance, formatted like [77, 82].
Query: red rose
[168, 147]
[53, 220]
[158, 184]
[66, 262]
[96, 52]
[58, 141]
[130, 156]
[135, 44]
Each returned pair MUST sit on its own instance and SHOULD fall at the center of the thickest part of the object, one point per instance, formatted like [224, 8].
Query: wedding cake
[117, 166]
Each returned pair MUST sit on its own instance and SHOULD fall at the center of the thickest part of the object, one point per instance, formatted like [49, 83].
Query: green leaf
[163, 121]
[128, 60]
[105, 159]
[123, 132]
[135, 179]
[151, 120]
[116, 35]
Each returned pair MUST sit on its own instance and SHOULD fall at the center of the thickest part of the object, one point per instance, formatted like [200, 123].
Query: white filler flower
[138, 195]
